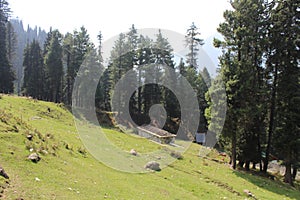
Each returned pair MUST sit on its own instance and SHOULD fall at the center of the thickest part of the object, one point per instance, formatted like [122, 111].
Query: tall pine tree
[6, 73]
[193, 42]
[244, 31]
[54, 68]
[284, 64]
[33, 84]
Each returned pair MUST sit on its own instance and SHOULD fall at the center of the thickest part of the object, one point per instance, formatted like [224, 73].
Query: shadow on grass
[274, 186]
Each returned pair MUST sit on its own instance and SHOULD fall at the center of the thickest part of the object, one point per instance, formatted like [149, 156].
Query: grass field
[67, 170]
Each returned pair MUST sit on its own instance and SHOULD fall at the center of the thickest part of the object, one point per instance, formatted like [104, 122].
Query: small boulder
[133, 152]
[248, 193]
[152, 165]
[3, 173]
[29, 137]
[176, 155]
[34, 157]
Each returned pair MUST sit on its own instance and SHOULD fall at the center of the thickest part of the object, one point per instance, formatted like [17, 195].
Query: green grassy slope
[68, 171]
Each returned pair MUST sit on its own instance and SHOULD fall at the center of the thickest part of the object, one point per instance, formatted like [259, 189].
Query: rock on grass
[152, 165]
[3, 173]
[133, 152]
[34, 157]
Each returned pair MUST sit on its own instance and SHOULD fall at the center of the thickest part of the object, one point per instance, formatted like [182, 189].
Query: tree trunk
[247, 165]
[233, 151]
[271, 122]
[288, 170]
[259, 156]
[140, 93]
[241, 164]
[254, 165]
[295, 169]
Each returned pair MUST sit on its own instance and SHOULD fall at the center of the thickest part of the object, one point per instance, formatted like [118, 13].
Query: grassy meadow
[68, 169]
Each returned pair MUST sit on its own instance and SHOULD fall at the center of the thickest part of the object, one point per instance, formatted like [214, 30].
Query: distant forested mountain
[22, 38]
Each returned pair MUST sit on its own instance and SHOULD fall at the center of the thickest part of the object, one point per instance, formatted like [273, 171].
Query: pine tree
[206, 77]
[100, 40]
[33, 71]
[131, 55]
[192, 42]
[193, 75]
[76, 46]
[215, 113]
[102, 94]
[118, 58]
[144, 57]
[54, 68]
[159, 69]
[22, 40]
[68, 51]
[284, 61]
[11, 39]
[86, 81]
[242, 68]
[120, 64]
[163, 58]
[6, 73]
[202, 89]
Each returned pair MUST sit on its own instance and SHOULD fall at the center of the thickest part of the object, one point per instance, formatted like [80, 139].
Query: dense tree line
[21, 38]
[260, 69]
[146, 58]
[49, 72]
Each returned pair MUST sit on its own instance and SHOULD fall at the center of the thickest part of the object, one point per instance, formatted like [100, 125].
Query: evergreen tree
[132, 43]
[47, 41]
[17, 62]
[100, 40]
[76, 46]
[54, 68]
[6, 73]
[33, 71]
[82, 45]
[22, 39]
[102, 94]
[244, 31]
[68, 49]
[163, 57]
[120, 64]
[159, 69]
[206, 77]
[215, 112]
[131, 55]
[87, 78]
[202, 89]
[192, 42]
[11, 39]
[144, 57]
[104, 88]
[193, 75]
[284, 64]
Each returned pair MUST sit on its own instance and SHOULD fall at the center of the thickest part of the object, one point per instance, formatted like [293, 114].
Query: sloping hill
[67, 171]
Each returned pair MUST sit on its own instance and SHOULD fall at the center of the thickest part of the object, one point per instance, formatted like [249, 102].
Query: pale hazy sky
[115, 16]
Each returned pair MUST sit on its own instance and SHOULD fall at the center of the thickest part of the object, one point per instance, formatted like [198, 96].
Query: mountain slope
[67, 171]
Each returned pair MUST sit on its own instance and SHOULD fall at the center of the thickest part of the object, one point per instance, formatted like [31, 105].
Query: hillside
[67, 171]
